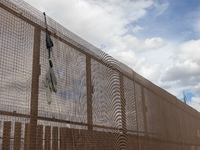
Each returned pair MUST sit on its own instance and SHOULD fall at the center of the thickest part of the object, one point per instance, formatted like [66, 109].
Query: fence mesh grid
[100, 103]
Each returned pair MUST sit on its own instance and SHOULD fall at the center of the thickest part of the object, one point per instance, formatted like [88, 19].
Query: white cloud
[196, 89]
[136, 29]
[196, 100]
[189, 51]
[187, 64]
[153, 43]
[130, 42]
[195, 103]
[182, 71]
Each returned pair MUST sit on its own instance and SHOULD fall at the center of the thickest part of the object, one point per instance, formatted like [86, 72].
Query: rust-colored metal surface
[100, 103]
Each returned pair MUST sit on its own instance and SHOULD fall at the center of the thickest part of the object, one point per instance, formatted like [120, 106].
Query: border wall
[101, 104]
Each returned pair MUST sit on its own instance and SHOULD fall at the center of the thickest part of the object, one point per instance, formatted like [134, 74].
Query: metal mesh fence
[100, 102]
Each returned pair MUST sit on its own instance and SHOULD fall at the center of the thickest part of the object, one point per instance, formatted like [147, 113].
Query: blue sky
[159, 39]
[175, 22]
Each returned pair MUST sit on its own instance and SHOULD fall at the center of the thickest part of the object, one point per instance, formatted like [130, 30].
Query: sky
[159, 39]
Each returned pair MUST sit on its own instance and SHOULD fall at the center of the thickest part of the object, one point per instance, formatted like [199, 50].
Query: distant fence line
[100, 103]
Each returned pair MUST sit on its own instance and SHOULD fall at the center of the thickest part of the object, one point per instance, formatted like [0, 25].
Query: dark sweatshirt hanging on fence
[50, 78]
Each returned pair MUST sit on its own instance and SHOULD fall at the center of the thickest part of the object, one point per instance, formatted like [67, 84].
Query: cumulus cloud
[195, 103]
[182, 71]
[153, 43]
[127, 42]
[187, 64]
[189, 51]
[196, 88]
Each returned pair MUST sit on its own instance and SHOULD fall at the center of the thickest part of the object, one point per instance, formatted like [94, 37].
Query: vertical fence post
[144, 112]
[135, 97]
[89, 100]
[35, 88]
[89, 93]
[123, 145]
[55, 138]
[40, 137]
[6, 135]
[47, 144]
[27, 137]
[17, 136]
[179, 124]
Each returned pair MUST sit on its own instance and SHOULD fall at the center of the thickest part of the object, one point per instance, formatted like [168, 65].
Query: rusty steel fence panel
[189, 121]
[100, 103]
[16, 63]
[70, 102]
